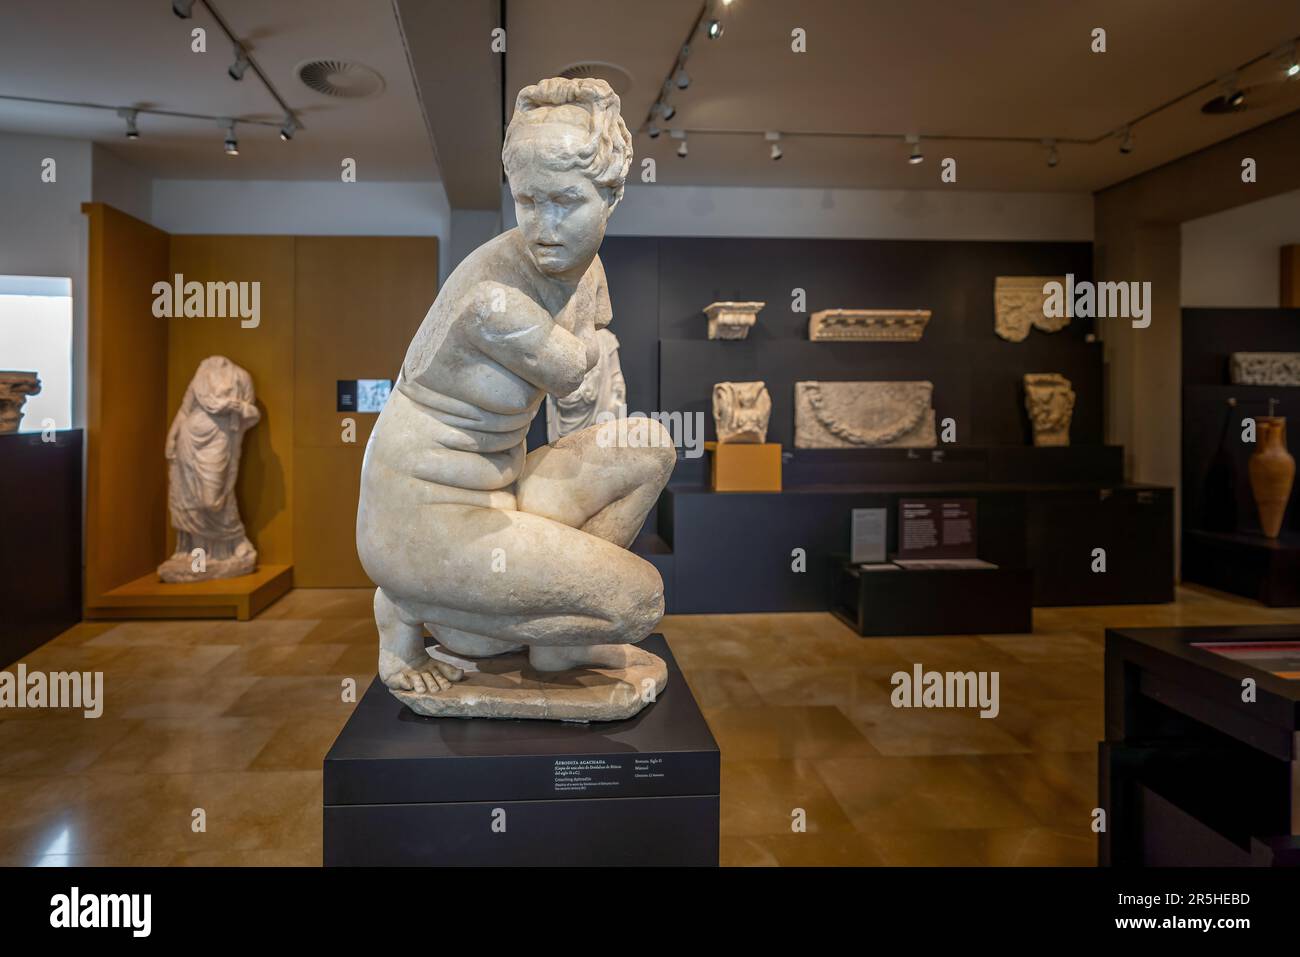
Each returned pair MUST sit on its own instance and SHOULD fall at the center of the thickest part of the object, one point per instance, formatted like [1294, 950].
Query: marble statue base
[507, 686]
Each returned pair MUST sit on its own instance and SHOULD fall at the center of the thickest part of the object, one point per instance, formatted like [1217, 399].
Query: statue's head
[566, 154]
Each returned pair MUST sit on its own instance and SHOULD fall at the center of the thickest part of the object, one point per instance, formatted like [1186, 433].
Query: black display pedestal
[949, 601]
[1190, 773]
[406, 790]
[1266, 569]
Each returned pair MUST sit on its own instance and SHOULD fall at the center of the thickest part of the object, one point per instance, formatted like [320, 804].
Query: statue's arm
[516, 332]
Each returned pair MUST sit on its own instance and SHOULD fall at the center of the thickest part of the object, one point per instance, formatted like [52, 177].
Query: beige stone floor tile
[722, 688]
[322, 603]
[188, 746]
[358, 659]
[179, 697]
[289, 695]
[762, 798]
[756, 733]
[57, 747]
[156, 661]
[913, 793]
[236, 717]
[903, 732]
[272, 660]
[343, 631]
[1010, 847]
[801, 850]
[300, 743]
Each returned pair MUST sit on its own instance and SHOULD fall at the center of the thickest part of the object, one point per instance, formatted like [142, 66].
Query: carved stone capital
[732, 320]
[1050, 403]
[741, 411]
[15, 387]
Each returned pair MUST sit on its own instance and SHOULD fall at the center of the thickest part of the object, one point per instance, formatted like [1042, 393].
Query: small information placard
[936, 528]
[363, 395]
[870, 528]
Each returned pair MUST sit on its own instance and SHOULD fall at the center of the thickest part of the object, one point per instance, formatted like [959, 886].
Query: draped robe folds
[203, 451]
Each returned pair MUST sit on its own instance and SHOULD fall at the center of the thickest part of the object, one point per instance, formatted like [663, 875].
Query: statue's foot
[426, 676]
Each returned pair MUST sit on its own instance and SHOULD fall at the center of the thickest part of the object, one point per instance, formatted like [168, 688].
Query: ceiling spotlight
[289, 128]
[132, 132]
[232, 144]
[667, 111]
[653, 131]
[237, 68]
[1230, 98]
[681, 150]
[714, 28]
[679, 135]
[1126, 141]
[1053, 157]
[916, 156]
[1287, 57]
[183, 8]
[775, 140]
[683, 78]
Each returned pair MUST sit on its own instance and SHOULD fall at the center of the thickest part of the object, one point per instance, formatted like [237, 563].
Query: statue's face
[561, 215]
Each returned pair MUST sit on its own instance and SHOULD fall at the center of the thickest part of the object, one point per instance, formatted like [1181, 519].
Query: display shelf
[406, 790]
[1180, 739]
[148, 597]
[40, 538]
[949, 601]
[1000, 466]
[1245, 563]
[742, 552]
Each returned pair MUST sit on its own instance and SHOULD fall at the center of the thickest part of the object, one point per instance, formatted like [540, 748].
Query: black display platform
[948, 601]
[40, 539]
[1190, 773]
[733, 552]
[1245, 563]
[406, 790]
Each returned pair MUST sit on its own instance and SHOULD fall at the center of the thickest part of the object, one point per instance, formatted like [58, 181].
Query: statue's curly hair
[606, 155]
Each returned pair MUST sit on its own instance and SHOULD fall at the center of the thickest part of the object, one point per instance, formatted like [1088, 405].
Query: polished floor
[209, 749]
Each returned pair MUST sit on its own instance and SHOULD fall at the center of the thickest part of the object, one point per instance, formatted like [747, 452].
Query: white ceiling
[999, 67]
[137, 53]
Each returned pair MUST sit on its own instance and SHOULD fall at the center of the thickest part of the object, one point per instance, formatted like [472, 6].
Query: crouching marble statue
[518, 564]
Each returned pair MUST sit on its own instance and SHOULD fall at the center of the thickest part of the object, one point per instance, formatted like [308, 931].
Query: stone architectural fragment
[732, 320]
[1050, 403]
[741, 411]
[15, 387]
[839, 415]
[1018, 306]
[1265, 368]
[872, 325]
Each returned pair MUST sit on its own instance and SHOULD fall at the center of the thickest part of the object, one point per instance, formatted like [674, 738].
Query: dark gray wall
[659, 286]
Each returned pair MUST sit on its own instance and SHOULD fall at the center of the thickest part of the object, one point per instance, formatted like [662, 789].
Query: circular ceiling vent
[619, 80]
[340, 78]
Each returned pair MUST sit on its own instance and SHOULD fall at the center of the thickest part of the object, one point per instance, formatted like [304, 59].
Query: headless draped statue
[500, 553]
[203, 449]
